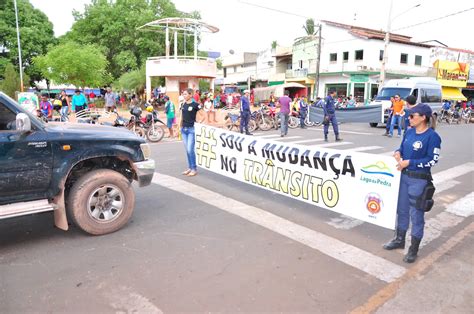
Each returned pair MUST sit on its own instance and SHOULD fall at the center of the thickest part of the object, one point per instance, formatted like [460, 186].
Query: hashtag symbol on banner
[205, 145]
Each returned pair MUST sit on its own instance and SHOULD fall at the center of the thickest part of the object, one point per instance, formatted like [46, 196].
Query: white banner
[359, 185]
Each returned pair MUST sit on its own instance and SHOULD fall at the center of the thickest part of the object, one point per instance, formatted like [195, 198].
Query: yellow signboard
[454, 74]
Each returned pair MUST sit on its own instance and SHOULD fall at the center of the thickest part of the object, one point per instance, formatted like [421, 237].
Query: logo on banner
[205, 147]
[378, 173]
[374, 203]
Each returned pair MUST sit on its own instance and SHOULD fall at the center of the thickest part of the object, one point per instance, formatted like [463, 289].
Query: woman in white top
[210, 110]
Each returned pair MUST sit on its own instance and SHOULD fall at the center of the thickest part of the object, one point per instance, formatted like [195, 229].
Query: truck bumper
[144, 170]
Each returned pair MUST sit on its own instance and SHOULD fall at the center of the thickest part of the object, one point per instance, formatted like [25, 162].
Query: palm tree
[274, 44]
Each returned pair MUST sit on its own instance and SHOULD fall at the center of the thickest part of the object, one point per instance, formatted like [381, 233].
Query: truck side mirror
[23, 123]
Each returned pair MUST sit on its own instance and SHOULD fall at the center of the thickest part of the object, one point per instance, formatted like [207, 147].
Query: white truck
[426, 89]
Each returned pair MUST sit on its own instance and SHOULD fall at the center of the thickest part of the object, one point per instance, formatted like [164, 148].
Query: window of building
[235, 69]
[333, 57]
[300, 64]
[359, 54]
[418, 60]
[381, 55]
[345, 56]
[225, 72]
[289, 66]
[404, 58]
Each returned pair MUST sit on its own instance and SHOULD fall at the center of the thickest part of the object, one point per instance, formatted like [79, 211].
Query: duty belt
[418, 175]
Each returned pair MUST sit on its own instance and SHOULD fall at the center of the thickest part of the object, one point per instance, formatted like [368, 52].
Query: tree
[309, 27]
[274, 44]
[113, 26]
[132, 81]
[73, 63]
[11, 81]
[36, 35]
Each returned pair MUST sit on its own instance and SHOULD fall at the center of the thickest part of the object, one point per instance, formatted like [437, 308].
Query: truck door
[25, 161]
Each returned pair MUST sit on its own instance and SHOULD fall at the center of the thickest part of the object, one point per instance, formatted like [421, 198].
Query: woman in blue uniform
[418, 152]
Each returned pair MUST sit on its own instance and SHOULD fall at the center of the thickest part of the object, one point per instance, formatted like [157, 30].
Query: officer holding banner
[418, 152]
[330, 116]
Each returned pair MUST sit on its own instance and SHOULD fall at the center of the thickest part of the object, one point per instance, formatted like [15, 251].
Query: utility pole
[19, 48]
[385, 48]
[316, 87]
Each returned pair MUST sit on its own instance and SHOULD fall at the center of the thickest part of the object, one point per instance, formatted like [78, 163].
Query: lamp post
[387, 40]
[19, 47]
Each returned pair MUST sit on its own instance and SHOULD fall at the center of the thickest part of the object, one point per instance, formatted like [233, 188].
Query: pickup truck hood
[91, 131]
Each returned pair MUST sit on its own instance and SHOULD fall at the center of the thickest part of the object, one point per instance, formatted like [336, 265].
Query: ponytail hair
[432, 121]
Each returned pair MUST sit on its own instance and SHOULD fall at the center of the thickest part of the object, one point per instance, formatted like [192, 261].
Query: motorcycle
[154, 131]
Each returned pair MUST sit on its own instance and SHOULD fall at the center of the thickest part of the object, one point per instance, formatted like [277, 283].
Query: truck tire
[101, 202]
[373, 124]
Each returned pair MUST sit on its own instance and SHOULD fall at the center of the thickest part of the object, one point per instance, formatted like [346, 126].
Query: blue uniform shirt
[421, 149]
[245, 104]
[329, 106]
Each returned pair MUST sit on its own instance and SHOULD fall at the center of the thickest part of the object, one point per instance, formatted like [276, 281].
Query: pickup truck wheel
[101, 202]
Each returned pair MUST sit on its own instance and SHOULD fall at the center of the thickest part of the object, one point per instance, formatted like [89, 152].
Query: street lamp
[387, 39]
[19, 47]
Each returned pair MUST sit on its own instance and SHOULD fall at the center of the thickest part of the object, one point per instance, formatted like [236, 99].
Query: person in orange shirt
[398, 105]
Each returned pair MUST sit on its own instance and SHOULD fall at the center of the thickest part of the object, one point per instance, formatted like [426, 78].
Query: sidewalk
[447, 286]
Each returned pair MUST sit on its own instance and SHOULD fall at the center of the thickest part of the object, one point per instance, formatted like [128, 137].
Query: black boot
[398, 242]
[247, 132]
[325, 137]
[412, 251]
[338, 139]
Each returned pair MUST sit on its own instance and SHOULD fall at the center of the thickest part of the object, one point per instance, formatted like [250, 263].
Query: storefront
[362, 86]
[453, 78]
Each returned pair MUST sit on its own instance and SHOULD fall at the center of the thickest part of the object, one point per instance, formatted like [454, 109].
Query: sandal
[185, 173]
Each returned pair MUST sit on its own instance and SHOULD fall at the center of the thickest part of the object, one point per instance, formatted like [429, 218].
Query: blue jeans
[189, 144]
[333, 120]
[64, 110]
[303, 114]
[396, 119]
[284, 123]
[410, 191]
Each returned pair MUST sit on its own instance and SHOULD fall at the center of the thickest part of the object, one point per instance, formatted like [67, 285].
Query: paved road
[186, 248]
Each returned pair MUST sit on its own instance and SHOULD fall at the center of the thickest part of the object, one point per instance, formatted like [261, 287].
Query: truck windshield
[388, 92]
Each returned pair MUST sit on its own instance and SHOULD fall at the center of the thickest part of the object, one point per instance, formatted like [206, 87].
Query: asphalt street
[185, 252]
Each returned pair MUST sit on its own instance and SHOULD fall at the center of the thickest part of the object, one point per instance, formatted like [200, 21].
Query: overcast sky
[249, 28]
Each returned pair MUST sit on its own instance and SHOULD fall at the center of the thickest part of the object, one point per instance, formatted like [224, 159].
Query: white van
[426, 90]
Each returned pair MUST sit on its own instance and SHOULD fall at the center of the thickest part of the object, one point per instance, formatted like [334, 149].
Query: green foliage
[73, 63]
[36, 33]
[132, 81]
[204, 85]
[309, 27]
[274, 44]
[11, 82]
[113, 26]
[219, 64]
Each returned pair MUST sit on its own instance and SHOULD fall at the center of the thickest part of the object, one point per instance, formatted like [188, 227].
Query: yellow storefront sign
[454, 74]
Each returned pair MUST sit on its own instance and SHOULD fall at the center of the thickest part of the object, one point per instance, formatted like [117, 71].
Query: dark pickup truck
[81, 172]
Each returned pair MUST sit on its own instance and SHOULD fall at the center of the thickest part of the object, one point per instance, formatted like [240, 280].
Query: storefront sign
[453, 74]
[359, 78]
[359, 185]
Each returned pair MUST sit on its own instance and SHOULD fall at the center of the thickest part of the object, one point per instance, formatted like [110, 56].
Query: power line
[435, 19]
[273, 9]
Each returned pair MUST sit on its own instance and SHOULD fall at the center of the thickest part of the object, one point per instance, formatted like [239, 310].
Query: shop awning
[452, 93]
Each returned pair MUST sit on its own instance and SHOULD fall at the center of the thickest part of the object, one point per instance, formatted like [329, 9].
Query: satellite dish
[231, 51]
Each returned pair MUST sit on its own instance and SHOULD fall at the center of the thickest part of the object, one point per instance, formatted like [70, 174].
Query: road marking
[365, 148]
[309, 141]
[389, 153]
[289, 138]
[267, 136]
[349, 132]
[452, 173]
[344, 222]
[391, 290]
[343, 252]
[332, 144]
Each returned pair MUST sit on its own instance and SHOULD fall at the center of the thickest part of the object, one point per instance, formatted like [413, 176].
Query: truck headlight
[145, 150]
